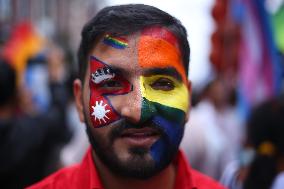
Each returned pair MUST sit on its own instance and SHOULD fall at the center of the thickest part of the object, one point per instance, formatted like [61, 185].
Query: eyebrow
[115, 69]
[112, 68]
[170, 71]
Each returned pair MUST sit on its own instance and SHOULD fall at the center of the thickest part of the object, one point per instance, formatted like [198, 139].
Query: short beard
[140, 166]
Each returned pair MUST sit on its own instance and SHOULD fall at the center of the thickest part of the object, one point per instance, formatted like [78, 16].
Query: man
[133, 95]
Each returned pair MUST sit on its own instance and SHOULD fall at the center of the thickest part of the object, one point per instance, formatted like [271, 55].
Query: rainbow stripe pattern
[259, 65]
[115, 42]
[166, 109]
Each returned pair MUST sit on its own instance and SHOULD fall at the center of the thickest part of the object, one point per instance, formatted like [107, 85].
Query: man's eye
[111, 84]
[163, 84]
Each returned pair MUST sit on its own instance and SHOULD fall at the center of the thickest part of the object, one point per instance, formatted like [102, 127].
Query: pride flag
[260, 69]
[24, 43]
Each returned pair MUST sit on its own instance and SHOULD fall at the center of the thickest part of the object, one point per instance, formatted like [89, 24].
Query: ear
[189, 100]
[78, 94]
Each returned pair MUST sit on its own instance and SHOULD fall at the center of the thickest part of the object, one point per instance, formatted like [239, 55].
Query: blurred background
[236, 63]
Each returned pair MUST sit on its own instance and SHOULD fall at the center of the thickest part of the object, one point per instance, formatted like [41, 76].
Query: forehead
[153, 47]
[119, 57]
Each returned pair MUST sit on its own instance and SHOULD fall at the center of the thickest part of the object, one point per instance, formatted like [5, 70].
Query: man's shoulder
[190, 178]
[204, 182]
[64, 178]
[82, 175]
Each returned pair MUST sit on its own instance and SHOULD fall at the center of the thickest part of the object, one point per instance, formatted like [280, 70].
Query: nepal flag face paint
[104, 82]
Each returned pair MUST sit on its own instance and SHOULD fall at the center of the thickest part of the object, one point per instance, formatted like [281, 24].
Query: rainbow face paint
[102, 84]
[158, 48]
[160, 98]
[115, 42]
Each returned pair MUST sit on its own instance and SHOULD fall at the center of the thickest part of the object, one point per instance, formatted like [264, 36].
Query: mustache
[120, 126]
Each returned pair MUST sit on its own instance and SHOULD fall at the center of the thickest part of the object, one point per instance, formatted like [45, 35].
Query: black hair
[124, 20]
[7, 83]
[265, 127]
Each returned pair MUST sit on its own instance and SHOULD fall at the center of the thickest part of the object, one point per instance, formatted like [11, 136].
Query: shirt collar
[183, 178]
[88, 172]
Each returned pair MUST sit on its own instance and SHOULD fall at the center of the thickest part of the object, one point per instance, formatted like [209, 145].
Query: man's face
[135, 101]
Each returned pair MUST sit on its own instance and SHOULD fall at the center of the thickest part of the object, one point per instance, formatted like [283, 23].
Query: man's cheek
[167, 111]
[170, 121]
[101, 111]
[169, 141]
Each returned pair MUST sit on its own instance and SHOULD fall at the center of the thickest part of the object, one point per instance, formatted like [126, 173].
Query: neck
[163, 180]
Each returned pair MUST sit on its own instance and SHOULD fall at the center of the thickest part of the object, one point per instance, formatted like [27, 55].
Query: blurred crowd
[40, 131]
[234, 133]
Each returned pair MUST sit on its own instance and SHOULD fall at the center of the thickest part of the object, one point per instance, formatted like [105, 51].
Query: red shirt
[85, 176]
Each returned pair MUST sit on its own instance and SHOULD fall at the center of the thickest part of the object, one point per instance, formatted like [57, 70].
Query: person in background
[133, 95]
[28, 141]
[213, 134]
[262, 164]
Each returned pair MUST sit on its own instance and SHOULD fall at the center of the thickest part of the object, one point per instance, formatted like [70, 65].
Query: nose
[138, 109]
[131, 105]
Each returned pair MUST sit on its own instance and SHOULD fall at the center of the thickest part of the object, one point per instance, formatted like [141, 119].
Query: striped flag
[259, 66]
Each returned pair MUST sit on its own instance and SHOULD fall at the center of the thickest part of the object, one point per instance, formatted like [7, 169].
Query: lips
[140, 137]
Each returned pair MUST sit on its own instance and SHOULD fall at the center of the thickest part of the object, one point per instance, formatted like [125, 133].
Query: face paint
[158, 48]
[104, 82]
[102, 74]
[175, 98]
[161, 33]
[167, 110]
[115, 42]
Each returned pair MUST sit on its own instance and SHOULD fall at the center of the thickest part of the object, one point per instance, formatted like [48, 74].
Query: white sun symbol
[99, 111]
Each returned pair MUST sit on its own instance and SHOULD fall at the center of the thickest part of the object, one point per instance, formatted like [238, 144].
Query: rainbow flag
[259, 64]
[278, 20]
[23, 44]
